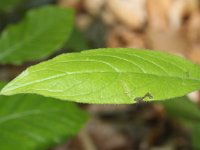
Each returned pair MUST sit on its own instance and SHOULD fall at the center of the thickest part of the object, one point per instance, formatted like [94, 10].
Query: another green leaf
[188, 113]
[31, 122]
[41, 33]
[109, 76]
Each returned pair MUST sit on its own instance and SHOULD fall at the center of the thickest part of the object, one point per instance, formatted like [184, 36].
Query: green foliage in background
[31, 122]
[188, 113]
[77, 42]
[7, 5]
[109, 76]
[42, 32]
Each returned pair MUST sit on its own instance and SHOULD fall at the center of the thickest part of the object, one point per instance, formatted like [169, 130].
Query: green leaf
[31, 122]
[188, 113]
[42, 32]
[109, 76]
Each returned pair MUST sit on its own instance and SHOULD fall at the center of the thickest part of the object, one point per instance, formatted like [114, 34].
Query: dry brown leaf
[158, 14]
[120, 36]
[179, 10]
[94, 7]
[170, 41]
[132, 13]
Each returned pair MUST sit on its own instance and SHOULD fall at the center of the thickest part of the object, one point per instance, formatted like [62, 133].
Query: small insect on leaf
[141, 99]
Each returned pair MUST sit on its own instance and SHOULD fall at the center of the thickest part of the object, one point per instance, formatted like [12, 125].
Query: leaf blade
[109, 76]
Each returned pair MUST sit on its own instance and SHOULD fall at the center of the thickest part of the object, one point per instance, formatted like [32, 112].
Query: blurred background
[172, 26]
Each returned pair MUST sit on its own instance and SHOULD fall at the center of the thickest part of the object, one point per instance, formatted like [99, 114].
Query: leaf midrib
[72, 73]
